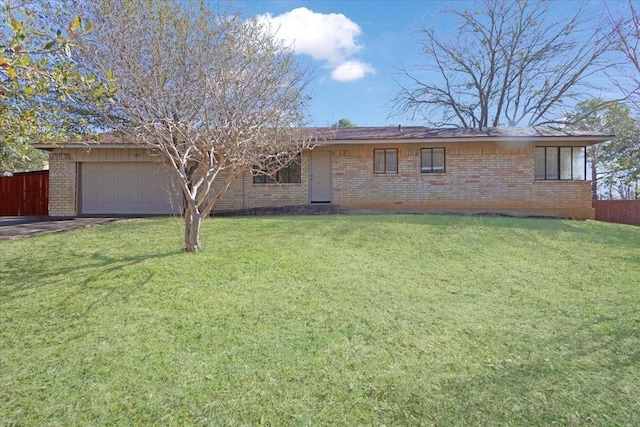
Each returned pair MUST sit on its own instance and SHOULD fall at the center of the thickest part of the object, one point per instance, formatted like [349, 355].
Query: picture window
[560, 163]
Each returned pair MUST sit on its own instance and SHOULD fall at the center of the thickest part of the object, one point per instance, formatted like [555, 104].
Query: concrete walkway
[15, 227]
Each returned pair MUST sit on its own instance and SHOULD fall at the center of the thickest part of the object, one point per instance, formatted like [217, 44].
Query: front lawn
[332, 320]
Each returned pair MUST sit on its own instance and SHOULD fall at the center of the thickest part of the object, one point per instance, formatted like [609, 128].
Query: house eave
[524, 141]
[85, 145]
[524, 137]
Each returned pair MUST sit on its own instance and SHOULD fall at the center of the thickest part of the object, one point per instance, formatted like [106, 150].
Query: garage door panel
[128, 188]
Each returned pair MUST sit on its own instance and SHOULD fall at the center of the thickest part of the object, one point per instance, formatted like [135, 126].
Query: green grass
[334, 320]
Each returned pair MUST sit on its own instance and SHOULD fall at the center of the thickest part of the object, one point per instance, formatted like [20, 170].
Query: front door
[320, 177]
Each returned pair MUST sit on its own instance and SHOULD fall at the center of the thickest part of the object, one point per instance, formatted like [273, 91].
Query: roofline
[89, 145]
[389, 135]
[587, 140]
[500, 139]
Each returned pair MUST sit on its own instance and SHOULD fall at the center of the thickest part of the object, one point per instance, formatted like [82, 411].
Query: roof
[424, 134]
[400, 134]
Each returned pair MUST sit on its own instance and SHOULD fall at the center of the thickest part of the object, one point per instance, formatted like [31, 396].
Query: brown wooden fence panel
[618, 211]
[25, 194]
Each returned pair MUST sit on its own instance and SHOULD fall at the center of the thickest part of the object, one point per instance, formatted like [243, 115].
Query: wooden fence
[25, 194]
[618, 211]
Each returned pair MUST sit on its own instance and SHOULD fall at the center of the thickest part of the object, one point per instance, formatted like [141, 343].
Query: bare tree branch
[211, 94]
[627, 31]
[510, 64]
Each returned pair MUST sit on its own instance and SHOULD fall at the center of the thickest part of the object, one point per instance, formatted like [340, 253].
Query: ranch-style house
[536, 171]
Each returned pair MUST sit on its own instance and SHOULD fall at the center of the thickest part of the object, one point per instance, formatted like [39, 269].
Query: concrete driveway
[15, 227]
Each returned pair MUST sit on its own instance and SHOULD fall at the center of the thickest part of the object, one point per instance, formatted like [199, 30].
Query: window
[560, 163]
[290, 175]
[432, 160]
[385, 161]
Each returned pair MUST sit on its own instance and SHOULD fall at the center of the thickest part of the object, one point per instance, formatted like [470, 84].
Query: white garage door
[128, 189]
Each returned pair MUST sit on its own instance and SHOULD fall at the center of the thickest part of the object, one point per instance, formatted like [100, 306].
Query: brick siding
[64, 177]
[62, 184]
[479, 177]
[244, 194]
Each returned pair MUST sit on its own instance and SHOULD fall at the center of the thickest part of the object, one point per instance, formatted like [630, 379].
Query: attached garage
[127, 188]
[488, 170]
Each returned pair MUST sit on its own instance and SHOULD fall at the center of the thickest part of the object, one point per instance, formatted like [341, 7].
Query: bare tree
[508, 63]
[627, 32]
[211, 94]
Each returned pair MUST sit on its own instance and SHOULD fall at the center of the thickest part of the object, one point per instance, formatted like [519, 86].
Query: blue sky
[357, 47]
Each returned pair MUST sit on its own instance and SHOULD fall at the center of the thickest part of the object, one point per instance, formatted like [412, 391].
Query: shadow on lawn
[614, 235]
[501, 221]
[17, 276]
[560, 382]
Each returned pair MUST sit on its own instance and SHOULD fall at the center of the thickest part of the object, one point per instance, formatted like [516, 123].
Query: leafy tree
[344, 123]
[38, 76]
[209, 93]
[508, 63]
[615, 164]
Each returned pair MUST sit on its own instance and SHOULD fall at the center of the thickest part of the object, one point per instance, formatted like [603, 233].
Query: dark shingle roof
[409, 134]
[424, 133]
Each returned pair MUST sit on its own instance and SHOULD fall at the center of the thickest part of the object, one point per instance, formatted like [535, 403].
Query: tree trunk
[594, 181]
[610, 187]
[192, 221]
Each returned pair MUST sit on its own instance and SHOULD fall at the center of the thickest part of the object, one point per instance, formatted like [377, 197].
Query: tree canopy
[344, 123]
[39, 79]
[209, 93]
[506, 63]
[616, 163]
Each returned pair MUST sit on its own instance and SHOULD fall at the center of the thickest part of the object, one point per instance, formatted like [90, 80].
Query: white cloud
[330, 38]
[351, 70]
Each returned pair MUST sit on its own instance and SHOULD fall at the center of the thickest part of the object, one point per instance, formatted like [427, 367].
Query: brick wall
[63, 173]
[244, 194]
[478, 178]
[62, 184]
